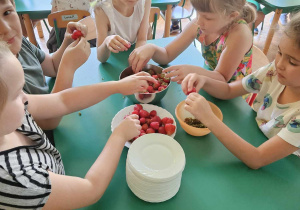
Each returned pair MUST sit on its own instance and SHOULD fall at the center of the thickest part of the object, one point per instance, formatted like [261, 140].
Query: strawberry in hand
[76, 34]
[192, 91]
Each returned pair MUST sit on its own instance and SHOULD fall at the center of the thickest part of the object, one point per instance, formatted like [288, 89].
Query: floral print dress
[212, 53]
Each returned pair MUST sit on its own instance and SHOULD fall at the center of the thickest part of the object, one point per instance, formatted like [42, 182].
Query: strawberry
[154, 125]
[161, 88]
[76, 34]
[156, 119]
[148, 121]
[142, 120]
[166, 80]
[162, 130]
[153, 113]
[145, 127]
[135, 112]
[150, 130]
[192, 91]
[141, 96]
[164, 120]
[155, 76]
[170, 129]
[156, 85]
[144, 113]
[138, 107]
[150, 89]
[169, 121]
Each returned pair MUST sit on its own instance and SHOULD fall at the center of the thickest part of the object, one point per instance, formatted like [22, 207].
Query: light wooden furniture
[153, 17]
[61, 19]
[179, 13]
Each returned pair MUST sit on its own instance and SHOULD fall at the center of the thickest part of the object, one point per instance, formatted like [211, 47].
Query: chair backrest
[153, 17]
[61, 19]
[259, 59]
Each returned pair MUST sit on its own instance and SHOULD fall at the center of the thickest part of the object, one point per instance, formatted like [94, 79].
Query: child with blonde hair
[226, 42]
[31, 170]
[277, 103]
[120, 23]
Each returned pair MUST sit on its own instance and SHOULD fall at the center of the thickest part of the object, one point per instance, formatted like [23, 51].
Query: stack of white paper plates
[154, 167]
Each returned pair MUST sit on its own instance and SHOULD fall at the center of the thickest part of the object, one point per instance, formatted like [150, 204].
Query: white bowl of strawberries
[155, 91]
[153, 119]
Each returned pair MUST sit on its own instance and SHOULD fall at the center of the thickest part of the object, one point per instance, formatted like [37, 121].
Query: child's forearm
[235, 144]
[161, 55]
[103, 53]
[56, 56]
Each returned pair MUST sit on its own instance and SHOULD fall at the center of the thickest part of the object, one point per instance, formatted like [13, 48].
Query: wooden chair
[259, 60]
[153, 17]
[62, 18]
[179, 13]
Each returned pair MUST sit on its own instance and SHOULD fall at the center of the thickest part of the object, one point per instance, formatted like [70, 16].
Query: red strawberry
[162, 130]
[145, 127]
[76, 34]
[148, 121]
[170, 129]
[156, 119]
[170, 121]
[155, 76]
[161, 88]
[142, 120]
[144, 113]
[166, 80]
[154, 125]
[141, 96]
[150, 89]
[135, 112]
[192, 91]
[150, 130]
[153, 113]
[138, 107]
[156, 85]
[165, 120]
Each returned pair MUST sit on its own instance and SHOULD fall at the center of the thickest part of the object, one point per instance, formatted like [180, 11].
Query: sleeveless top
[212, 53]
[24, 177]
[125, 27]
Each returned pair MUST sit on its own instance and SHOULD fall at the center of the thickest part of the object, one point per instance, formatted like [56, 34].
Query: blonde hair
[226, 7]
[4, 52]
[292, 29]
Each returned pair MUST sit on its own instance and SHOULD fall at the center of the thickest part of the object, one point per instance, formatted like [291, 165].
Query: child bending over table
[31, 169]
[277, 103]
[225, 37]
[119, 24]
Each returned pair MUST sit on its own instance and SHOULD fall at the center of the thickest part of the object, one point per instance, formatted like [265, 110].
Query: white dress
[125, 27]
[61, 5]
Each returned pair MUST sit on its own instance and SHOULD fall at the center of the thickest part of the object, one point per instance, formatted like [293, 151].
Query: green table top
[286, 5]
[213, 178]
[37, 9]
[40, 9]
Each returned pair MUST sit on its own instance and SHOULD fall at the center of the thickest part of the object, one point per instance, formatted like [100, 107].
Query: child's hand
[178, 73]
[72, 26]
[192, 81]
[140, 57]
[130, 127]
[135, 83]
[76, 54]
[116, 44]
[198, 106]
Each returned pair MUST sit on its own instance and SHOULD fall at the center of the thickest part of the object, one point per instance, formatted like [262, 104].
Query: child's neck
[12, 140]
[289, 95]
[122, 8]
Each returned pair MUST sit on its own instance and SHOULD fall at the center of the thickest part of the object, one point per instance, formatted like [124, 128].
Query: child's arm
[58, 104]
[107, 44]
[51, 63]
[272, 150]
[73, 192]
[163, 55]
[238, 43]
[143, 30]
[216, 88]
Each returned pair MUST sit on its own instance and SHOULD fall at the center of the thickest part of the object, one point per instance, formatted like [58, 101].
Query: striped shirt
[24, 177]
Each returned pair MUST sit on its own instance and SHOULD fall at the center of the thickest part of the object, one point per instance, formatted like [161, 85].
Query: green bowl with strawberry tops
[159, 90]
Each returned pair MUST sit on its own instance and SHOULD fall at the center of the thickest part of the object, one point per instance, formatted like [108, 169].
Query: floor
[259, 39]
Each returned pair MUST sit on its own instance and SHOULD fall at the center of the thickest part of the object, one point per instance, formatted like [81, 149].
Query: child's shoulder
[240, 32]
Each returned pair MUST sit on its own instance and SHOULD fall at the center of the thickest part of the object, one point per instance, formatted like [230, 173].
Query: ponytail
[249, 13]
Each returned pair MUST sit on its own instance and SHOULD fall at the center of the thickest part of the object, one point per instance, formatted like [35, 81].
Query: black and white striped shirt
[24, 178]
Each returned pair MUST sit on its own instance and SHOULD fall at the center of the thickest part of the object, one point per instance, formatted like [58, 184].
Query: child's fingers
[123, 42]
[120, 45]
[140, 65]
[112, 49]
[147, 78]
[134, 64]
[142, 73]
